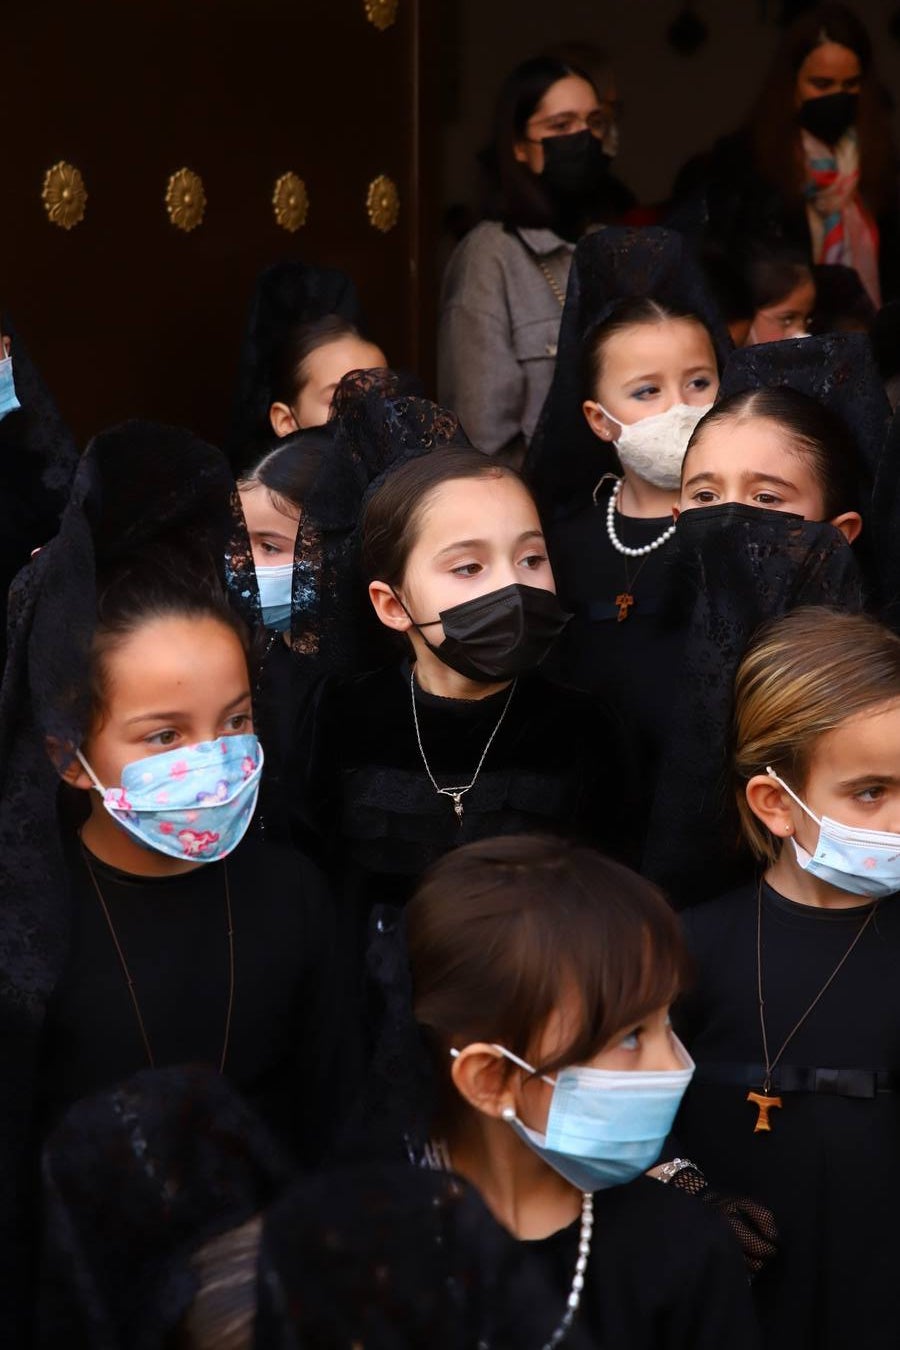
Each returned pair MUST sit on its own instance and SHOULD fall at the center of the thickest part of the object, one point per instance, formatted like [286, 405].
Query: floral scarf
[842, 229]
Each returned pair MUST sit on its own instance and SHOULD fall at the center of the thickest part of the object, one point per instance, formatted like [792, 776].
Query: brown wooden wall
[124, 314]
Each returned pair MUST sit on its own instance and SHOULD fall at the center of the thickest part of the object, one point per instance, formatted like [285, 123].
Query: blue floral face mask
[8, 400]
[862, 862]
[283, 586]
[192, 803]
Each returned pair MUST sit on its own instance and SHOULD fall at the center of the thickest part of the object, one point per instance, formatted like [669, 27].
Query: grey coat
[498, 331]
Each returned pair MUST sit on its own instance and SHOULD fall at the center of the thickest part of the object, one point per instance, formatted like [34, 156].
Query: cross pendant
[765, 1104]
[457, 805]
[625, 600]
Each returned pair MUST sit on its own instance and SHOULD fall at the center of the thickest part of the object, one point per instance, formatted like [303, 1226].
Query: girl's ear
[599, 423]
[67, 765]
[480, 1077]
[388, 607]
[850, 525]
[284, 423]
[771, 804]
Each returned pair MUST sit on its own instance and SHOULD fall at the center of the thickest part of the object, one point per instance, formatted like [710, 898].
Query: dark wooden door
[128, 316]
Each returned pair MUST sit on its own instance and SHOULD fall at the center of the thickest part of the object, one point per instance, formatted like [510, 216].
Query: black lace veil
[736, 567]
[565, 459]
[288, 293]
[134, 1181]
[143, 495]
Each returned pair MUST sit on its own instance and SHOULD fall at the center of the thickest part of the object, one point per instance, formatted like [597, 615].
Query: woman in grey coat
[505, 285]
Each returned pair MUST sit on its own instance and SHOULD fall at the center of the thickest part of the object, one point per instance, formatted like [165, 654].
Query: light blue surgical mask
[861, 862]
[193, 803]
[604, 1127]
[277, 586]
[8, 400]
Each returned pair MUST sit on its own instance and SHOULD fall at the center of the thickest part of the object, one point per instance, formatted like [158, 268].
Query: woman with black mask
[505, 285]
[814, 164]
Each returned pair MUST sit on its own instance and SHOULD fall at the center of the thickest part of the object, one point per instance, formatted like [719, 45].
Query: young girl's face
[647, 368]
[474, 535]
[173, 682]
[272, 531]
[786, 318]
[644, 1048]
[323, 371]
[750, 461]
[854, 778]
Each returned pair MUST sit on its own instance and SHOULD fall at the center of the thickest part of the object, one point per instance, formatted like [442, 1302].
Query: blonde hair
[804, 675]
[223, 1312]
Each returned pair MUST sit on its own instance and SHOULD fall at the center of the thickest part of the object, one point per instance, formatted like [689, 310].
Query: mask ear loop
[803, 807]
[521, 1063]
[90, 773]
[418, 626]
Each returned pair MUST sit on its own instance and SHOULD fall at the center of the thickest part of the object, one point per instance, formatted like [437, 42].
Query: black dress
[631, 664]
[663, 1273]
[558, 763]
[828, 1168]
[173, 936]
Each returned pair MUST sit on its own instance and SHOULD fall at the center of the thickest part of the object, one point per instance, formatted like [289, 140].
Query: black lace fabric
[751, 1223]
[288, 293]
[135, 1180]
[375, 424]
[735, 567]
[883, 526]
[143, 495]
[395, 1258]
[565, 459]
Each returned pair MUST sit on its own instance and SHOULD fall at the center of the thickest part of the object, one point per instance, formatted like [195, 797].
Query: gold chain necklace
[763, 1100]
[130, 981]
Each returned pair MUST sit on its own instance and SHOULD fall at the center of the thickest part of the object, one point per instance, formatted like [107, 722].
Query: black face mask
[574, 166]
[828, 117]
[498, 635]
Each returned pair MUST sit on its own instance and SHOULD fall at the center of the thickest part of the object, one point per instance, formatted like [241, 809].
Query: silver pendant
[457, 805]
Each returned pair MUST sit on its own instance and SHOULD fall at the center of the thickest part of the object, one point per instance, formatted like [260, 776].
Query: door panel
[124, 314]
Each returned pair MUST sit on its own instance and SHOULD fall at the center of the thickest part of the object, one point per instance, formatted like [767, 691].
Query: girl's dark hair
[773, 271]
[515, 194]
[289, 471]
[289, 367]
[776, 151]
[630, 313]
[390, 523]
[503, 932]
[810, 431]
[142, 590]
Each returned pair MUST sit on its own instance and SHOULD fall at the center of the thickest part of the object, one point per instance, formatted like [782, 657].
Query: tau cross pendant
[625, 600]
[765, 1104]
[457, 805]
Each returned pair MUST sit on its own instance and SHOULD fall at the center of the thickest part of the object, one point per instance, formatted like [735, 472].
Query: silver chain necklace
[456, 793]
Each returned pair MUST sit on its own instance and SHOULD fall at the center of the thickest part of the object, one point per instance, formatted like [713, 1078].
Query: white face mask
[654, 448]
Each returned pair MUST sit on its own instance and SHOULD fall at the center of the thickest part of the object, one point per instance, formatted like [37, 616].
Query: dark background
[127, 316]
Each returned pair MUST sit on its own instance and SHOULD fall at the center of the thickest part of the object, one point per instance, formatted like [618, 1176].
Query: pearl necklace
[614, 538]
[436, 1156]
[584, 1251]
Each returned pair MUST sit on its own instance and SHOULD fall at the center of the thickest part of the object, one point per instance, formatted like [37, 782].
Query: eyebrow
[870, 780]
[271, 534]
[482, 543]
[747, 478]
[173, 716]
